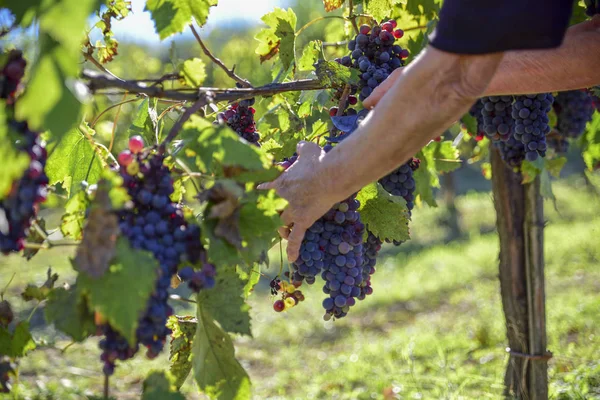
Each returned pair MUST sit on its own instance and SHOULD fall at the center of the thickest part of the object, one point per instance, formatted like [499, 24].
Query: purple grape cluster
[497, 122]
[157, 225]
[512, 151]
[19, 206]
[240, 118]
[574, 109]
[401, 182]
[375, 55]
[371, 249]
[530, 113]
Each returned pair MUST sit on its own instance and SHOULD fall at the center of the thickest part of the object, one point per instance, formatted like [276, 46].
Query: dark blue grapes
[401, 182]
[496, 118]
[512, 151]
[375, 55]
[530, 113]
[371, 249]
[574, 109]
[157, 225]
[240, 118]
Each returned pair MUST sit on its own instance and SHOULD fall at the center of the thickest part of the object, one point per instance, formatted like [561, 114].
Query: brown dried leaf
[331, 5]
[272, 53]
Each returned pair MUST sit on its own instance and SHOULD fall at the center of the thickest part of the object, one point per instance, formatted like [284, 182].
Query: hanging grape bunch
[530, 113]
[157, 225]
[240, 118]
[401, 182]
[497, 122]
[574, 109]
[375, 55]
[19, 206]
[475, 112]
[512, 151]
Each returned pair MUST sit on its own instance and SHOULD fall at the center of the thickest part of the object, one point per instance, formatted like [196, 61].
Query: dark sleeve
[489, 26]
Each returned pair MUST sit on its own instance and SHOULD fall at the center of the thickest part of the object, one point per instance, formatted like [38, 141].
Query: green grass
[433, 329]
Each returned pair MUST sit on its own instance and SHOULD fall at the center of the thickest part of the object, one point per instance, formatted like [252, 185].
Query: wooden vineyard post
[519, 220]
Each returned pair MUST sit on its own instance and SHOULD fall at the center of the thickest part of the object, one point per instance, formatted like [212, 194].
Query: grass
[433, 329]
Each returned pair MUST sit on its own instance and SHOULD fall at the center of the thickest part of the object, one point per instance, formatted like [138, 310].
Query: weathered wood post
[520, 224]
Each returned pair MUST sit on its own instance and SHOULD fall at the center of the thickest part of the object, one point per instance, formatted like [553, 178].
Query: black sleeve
[489, 26]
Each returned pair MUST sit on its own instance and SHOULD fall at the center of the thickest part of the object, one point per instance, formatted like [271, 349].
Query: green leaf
[386, 216]
[555, 165]
[310, 55]
[159, 385]
[193, 72]
[14, 162]
[279, 37]
[40, 293]
[590, 143]
[546, 187]
[183, 331]
[72, 161]
[470, 124]
[332, 74]
[70, 314]
[173, 16]
[73, 221]
[221, 151]
[143, 123]
[422, 8]
[446, 157]
[381, 9]
[251, 276]
[578, 15]
[225, 302]
[531, 169]
[18, 343]
[216, 370]
[132, 274]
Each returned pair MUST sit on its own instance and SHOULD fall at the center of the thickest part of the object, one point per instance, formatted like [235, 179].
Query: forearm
[574, 65]
[432, 93]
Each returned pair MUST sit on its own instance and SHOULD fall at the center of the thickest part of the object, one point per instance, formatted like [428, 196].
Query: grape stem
[48, 244]
[352, 17]
[101, 67]
[230, 72]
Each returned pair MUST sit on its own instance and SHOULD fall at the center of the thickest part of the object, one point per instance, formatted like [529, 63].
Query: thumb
[308, 149]
[382, 89]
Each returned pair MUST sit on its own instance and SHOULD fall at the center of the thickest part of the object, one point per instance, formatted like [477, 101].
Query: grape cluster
[530, 113]
[371, 249]
[240, 118]
[512, 151]
[557, 141]
[375, 55]
[157, 225]
[19, 206]
[574, 110]
[401, 182]
[496, 119]
[475, 112]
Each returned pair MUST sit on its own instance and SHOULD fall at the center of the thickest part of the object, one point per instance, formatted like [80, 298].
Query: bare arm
[574, 65]
[433, 92]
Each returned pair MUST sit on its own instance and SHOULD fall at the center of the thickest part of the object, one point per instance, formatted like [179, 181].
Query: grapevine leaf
[159, 385]
[142, 123]
[590, 143]
[546, 187]
[193, 72]
[423, 8]
[331, 5]
[445, 156]
[380, 9]
[183, 330]
[310, 55]
[18, 343]
[555, 165]
[425, 179]
[14, 162]
[72, 161]
[470, 123]
[69, 313]
[251, 277]
[279, 37]
[40, 293]
[72, 222]
[222, 152]
[173, 16]
[386, 216]
[332, 74]
[578, 14]
[48, 104]
[132, 274]
[216, 370]
[531, 169]
[225, 302]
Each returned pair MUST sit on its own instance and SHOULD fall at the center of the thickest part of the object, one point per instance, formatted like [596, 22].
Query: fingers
[286, 217]
[308, 149]
[294, 241]
[267, 185]
[284, 232]
[382, 89]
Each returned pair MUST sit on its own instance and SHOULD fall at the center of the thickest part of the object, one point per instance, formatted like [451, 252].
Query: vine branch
[352, 17]
[230, 72]
[97, 81]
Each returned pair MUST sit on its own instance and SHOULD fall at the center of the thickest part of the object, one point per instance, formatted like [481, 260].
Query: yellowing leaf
[193, 72]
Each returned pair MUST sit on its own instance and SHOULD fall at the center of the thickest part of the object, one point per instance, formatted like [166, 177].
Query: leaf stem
[101, 67]
[7, 285]
[115, 121]
[106, 386]
[230, 72]
[352, 17]
[33, 311]
[95, 121]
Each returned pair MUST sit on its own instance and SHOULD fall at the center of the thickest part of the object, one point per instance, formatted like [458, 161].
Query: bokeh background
[433, 329]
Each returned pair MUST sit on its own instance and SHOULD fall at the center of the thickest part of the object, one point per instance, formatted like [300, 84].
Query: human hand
[303, 185]
[382, 89]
